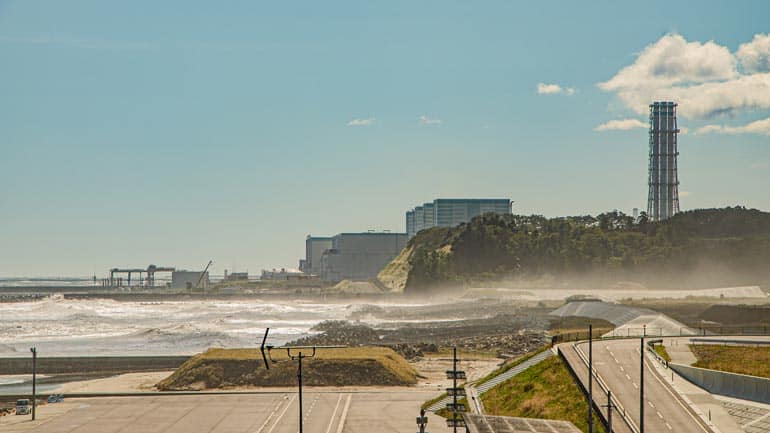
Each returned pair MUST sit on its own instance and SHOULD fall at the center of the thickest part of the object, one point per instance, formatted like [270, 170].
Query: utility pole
[609, 407]
[34, 380]
[590, 379]
[454, 385]
[641, 385]
[455, 391]
[421, 421]
[299, 381]
[298, 356]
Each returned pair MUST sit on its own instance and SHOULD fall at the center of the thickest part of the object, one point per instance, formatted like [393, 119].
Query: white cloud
[702, 78]
[554, 89]
[755, 55]
[621, 125]
[362, 122]
[683, 130]
[760, 165]
[684, 193]
[425, 120]
[757, 127]
[673, 60]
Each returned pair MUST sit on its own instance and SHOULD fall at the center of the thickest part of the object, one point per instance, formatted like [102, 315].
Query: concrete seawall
[91, 364]
[728, 384]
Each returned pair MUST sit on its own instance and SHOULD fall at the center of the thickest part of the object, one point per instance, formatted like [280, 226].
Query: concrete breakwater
[91, 364]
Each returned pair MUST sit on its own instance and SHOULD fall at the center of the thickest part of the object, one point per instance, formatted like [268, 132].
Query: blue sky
[181, 131]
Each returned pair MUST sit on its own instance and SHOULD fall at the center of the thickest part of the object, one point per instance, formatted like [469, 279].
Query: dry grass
[754, 361]
[661, 351]
[222, 368]
[546, 390]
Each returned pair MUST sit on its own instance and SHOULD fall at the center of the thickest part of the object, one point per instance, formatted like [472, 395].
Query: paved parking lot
[324, 412]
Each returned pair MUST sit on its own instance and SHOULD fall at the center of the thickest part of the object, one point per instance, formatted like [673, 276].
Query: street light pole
[34, 380]
[609, 411]
[641, 385]
[299, 380]
[298, 357]
[454, 385]
[590, 380]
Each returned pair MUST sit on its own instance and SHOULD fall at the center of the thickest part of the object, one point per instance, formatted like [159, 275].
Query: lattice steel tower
[663, 181]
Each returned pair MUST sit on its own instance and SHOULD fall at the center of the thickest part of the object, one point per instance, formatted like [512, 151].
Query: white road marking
[293, 397]
[669, 426]
[334, 413]
[635, 385]
[663, 384]
[344, 414]
[651, 405]
[622, 369]
[628, 377]
[659, 415]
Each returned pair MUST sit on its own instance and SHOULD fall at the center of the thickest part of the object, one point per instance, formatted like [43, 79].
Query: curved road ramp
[628, 321]
[508, 424]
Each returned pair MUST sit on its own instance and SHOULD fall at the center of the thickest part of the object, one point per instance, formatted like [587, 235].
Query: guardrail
[619, 408]
[647, 332]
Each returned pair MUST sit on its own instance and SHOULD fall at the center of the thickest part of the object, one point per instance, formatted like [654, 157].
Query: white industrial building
[189, 280]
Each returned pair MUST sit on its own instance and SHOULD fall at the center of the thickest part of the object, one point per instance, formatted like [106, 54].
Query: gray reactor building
[351, 256]
[449, 212]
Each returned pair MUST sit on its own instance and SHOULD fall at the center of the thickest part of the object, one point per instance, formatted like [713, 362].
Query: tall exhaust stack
[663, 181]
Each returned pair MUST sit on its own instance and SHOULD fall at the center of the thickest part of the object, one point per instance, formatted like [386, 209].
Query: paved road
[332, 412]
[618, 366]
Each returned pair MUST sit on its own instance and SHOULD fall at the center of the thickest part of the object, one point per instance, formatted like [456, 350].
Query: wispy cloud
[761, 127]
[425, 120]
[362, 122]
[621, 125]
[85, 44]
[703, 77]
[554, 89]
[685, 193]
[762, 165]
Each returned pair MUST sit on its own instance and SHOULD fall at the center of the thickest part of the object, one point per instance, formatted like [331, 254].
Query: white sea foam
[102, 326]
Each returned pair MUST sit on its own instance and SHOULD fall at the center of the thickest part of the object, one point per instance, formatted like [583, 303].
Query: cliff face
[393, 277]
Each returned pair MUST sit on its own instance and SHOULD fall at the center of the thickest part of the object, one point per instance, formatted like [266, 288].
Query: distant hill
[699, 248]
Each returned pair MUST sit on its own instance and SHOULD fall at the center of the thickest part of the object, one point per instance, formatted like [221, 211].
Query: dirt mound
[226, 368]
[737, 314]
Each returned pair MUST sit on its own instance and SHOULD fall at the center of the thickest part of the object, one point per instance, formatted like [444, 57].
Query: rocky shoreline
[414, 342]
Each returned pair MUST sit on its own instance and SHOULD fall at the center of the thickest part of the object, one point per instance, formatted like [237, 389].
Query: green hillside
[699, 248]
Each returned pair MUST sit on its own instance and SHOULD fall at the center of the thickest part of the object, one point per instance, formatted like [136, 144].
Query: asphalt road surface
[617, 363]
[324, 412]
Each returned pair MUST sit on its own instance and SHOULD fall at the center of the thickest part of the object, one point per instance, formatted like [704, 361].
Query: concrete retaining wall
[729, 384]
[91, 364]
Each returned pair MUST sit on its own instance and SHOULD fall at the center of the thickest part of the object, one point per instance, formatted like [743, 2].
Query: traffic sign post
[455, 392]
[422, 421]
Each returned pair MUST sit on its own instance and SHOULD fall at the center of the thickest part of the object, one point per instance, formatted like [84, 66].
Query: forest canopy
[731, 243]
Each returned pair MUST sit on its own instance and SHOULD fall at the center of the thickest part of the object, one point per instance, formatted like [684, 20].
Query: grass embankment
[225, 368]
[501, 370]
[546, 390]
[509, 365]
[661, 351]
[754, 361]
